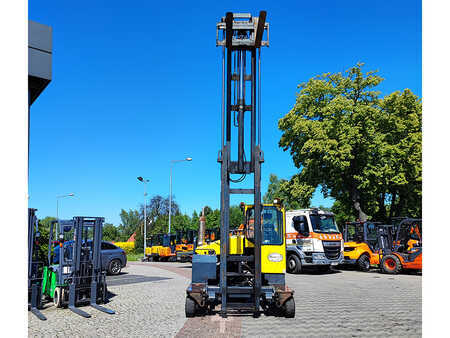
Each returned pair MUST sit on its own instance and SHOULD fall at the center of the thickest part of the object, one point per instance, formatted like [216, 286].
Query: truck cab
[312, 240]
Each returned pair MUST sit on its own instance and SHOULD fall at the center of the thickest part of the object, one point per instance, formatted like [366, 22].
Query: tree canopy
[362, 150]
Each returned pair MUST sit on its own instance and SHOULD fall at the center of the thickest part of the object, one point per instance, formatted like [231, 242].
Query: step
[246, 290]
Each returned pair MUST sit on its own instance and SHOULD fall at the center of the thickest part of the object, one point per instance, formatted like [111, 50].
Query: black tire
[289, 308]
[293, 264]
[391, 265]
[363, 263]
[190, 307]
[57, 297]
[114, 267]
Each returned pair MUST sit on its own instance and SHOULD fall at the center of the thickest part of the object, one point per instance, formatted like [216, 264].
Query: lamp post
[170, 196]
[145, 181]
[57, 203]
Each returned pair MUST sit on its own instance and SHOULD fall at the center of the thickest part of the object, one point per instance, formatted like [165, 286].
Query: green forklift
[75, 275]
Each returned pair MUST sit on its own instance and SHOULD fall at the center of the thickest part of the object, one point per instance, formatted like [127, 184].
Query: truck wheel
[363, 263]
[289, 308]
[190, 307]
[390, 264]
[57, 297]
[294, 265]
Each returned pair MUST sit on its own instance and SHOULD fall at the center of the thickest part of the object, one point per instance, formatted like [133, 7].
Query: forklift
[361, 244]
[35, 266]
[184, 246]
[404, 251]
[163, 248]
[75, 275]
[250, 274]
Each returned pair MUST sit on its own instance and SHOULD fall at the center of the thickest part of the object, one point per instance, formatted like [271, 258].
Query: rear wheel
[391, 264]
[190, 307]
[289, 308]
[363, 263]
[294, 265]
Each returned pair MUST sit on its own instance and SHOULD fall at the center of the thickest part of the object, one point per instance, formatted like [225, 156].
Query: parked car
[113, 257]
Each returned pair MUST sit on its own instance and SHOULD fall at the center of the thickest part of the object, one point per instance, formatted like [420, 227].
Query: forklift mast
[34, 265]
[241, 38]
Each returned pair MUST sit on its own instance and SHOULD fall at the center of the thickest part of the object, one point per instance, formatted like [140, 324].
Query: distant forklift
[404, 252]
[76, 275]
[361, 244]
[163, 248]
[184, 246]
[35, 266]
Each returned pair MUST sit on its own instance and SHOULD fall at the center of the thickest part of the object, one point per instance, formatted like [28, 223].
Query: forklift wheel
[289, 308]
[57, 297]
[363, 263]
[190, 307]
[391, 264]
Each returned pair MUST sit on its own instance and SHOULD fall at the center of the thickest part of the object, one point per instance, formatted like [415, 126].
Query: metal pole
[170, 197]
[145, 217]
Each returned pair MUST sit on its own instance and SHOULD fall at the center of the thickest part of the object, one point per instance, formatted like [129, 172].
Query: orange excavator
[405, 250]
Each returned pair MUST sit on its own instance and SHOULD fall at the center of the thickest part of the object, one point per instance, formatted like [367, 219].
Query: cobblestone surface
[347, 304]
[143, 309]
[150, 302]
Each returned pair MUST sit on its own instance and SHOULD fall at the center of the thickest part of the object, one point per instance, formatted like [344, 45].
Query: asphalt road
[148, 299]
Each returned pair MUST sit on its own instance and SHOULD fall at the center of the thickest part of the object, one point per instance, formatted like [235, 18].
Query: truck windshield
[324, 224]
[272, 225]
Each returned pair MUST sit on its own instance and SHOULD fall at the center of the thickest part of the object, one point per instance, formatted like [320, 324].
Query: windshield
[324, 224]
[354, 232]
[272, 225]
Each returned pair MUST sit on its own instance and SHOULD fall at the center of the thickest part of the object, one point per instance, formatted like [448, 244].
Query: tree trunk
[357, 205]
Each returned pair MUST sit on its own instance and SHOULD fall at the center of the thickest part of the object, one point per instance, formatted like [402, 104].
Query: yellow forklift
[246, 271]
[184, 245]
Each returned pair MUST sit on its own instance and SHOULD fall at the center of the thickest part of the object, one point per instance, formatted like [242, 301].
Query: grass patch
[133, 257]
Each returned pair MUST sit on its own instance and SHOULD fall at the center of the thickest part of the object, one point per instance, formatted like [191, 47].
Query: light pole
[170, 196]
[57, 203]
[145, 181]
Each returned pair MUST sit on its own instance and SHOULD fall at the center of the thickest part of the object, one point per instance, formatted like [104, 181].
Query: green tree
[130, 223]
[279, 188]
[361, 150]
[110, 232]
[44, 230]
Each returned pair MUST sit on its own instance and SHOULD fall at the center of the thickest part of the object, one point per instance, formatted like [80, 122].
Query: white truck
[312, 239]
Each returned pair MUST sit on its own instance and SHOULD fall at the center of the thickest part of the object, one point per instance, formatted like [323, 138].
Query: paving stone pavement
[150, 303]
[143, 309]
[347, 304]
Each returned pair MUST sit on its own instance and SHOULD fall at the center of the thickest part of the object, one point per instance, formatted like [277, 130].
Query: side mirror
[301, 225]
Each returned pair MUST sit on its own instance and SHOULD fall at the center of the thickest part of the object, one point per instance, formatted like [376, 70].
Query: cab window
[272, 225]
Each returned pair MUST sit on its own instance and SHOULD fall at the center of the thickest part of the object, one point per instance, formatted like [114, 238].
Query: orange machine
[405, 252]
[361, 247]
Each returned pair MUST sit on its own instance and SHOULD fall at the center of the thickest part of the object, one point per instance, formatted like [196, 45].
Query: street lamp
[170, 196]
[57, 203]
[145, 181]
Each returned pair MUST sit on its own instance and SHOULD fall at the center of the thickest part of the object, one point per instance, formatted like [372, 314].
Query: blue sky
[137, 84]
